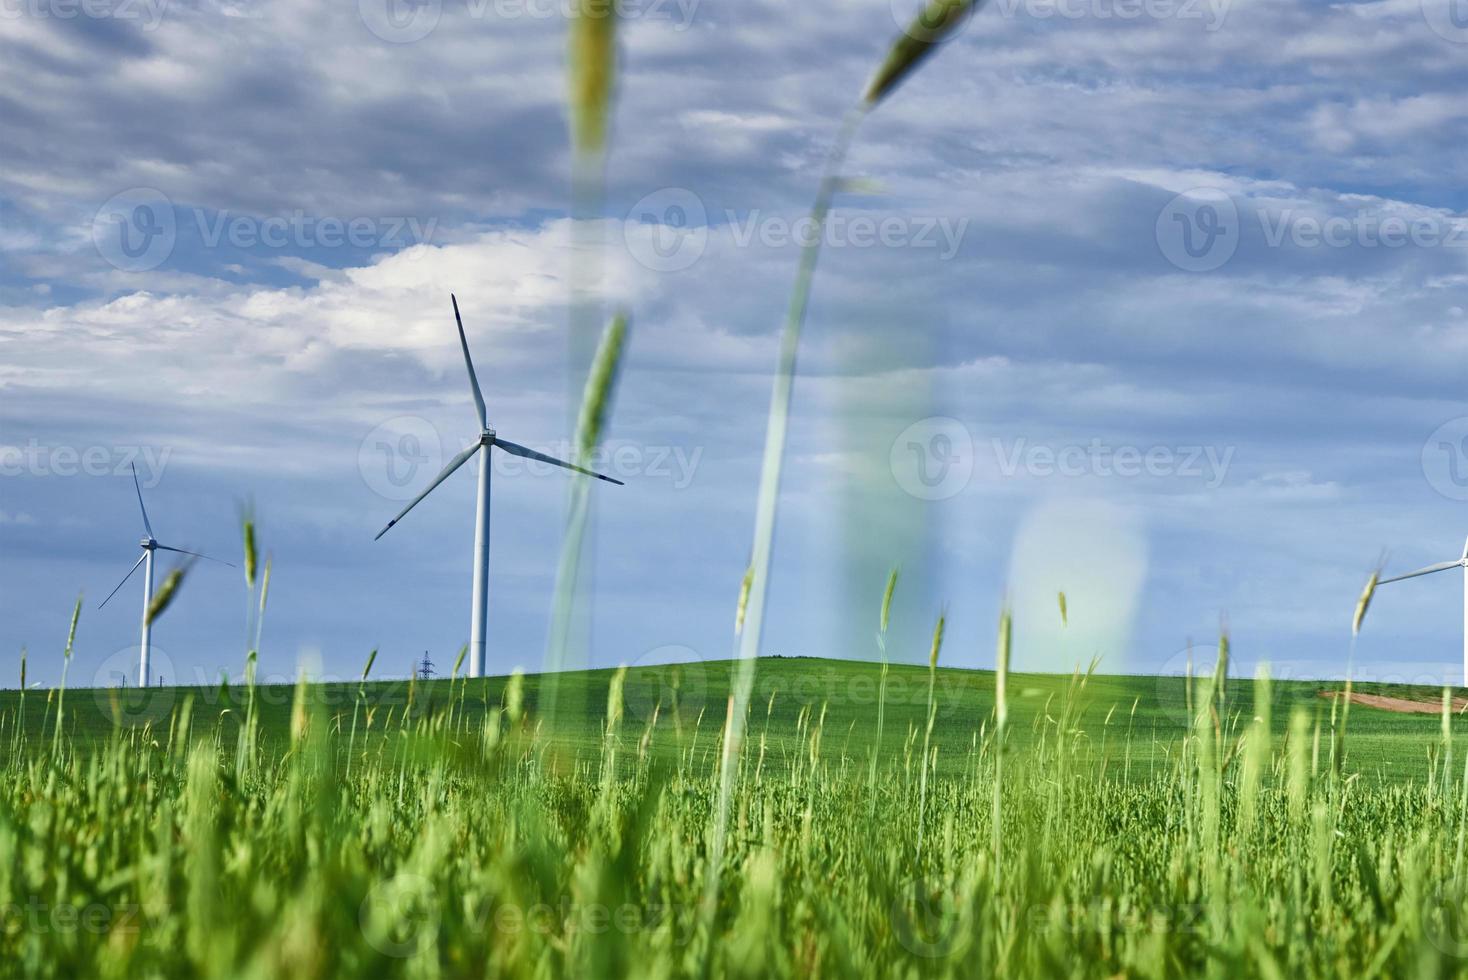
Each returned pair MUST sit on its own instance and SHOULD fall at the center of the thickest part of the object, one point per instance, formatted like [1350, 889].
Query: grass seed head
[887, 598]
[591, 73]
[76, 614]
[1363, 603]
[601, 385]
[298, 709]
[371, 659]
[252, 552]
[744, 587]
[165, 595]
[515, 696]
[934, 24]
[937, 641]
[1220, 672]
[1064, 617]
[615, 699]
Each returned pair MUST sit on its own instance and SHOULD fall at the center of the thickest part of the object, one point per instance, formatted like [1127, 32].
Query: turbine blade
[1441, 566]
[454, 464]
[164, 547]
[518, 450]
[469, 363]
[139, 488]
[124, 579]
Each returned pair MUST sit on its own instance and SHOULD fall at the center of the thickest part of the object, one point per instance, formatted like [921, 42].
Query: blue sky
[1160, 304]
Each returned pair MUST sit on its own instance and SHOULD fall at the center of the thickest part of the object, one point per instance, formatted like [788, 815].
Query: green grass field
[690, 699]
[453, 829]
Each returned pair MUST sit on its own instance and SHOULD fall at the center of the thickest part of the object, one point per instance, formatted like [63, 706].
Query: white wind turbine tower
[1443, 566]
[149, 545]
[488, 439]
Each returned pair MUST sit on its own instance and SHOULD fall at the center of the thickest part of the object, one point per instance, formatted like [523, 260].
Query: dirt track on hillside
[1406, 706]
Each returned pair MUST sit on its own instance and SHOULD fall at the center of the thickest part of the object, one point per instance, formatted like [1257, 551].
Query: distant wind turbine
[488, 439]
[1443, 566]
[149, 545]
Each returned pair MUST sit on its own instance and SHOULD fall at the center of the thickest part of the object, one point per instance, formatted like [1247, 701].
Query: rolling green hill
[1134, 722]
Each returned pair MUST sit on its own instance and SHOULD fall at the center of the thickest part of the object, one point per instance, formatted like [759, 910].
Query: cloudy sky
[1156, 302]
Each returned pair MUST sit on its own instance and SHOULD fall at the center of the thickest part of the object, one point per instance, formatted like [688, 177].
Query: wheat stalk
[928, 732]
[1001, 723]
[596, 406]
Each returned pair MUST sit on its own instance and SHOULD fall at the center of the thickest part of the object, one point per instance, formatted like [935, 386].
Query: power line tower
[425, 669]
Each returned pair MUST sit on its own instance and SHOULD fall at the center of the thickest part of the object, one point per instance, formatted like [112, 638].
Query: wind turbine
[1443, 566]
[150, 545]
[488, 439]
